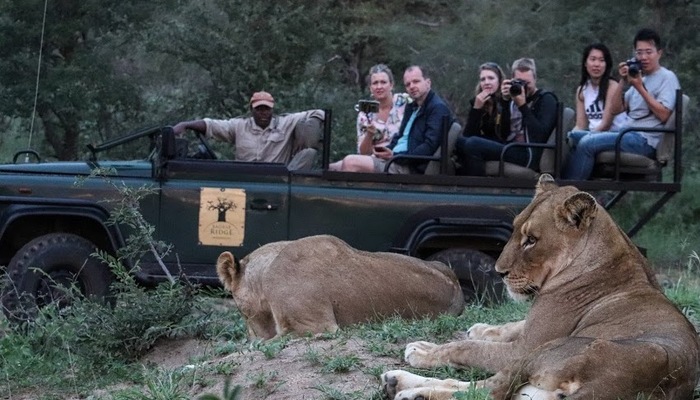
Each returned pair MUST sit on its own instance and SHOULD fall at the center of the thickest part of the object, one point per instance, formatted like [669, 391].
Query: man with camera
[531, 113]
[649, 102]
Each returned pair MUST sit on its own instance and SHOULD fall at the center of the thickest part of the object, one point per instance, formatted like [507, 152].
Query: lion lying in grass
[599, 326]
[319, 283]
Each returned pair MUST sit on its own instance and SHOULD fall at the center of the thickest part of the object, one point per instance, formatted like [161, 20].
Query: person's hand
[481, 99]
[370, 131]
[505, 89]
[636, 81]
[384, 153]
[520, 99]
[179, 128]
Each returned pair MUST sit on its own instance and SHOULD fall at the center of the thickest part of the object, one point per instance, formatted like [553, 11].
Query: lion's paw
[496, 333]
[390, 382]
[399, 384]
[483, 332]
[419, 354]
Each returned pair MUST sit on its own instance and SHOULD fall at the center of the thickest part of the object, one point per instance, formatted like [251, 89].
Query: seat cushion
[626, 159]
[510, 170]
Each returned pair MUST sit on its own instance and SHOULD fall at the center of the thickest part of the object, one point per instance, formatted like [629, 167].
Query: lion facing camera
[319, 283]
[599, 326]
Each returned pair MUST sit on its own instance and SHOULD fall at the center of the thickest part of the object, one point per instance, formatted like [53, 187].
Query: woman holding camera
[379, 120]
[595, 98]
[375, 128]
[524, 114]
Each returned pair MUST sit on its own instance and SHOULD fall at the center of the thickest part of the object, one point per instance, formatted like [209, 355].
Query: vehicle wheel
[45, 268]
[476, 274]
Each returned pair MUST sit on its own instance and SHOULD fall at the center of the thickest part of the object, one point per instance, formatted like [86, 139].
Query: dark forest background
[109, 67]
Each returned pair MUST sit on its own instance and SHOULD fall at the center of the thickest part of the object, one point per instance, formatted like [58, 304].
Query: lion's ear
[578, 211]
[229, 269]
[545, 183]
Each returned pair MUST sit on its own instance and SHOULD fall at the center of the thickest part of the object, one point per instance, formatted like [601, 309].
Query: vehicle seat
[636, 166]
[547, 164]
[308, 139]
[433, 167]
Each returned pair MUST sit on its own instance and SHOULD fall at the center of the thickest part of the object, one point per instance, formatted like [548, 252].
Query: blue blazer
[427, 130]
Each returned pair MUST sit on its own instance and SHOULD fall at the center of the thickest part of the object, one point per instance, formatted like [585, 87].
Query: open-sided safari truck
[203, 205]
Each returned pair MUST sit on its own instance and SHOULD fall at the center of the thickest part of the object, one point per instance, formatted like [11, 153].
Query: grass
[59, 358]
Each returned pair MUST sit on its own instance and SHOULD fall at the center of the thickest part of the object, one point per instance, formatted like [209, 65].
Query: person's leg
[474, 151]
[303, 160]
[573, 137]
[336, 166]
[357, 163]
[582, 160]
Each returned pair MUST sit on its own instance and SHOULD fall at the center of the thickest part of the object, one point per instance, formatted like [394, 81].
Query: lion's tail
[229, 270]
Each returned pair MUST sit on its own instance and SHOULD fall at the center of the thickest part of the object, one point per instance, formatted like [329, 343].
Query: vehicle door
[211, 206]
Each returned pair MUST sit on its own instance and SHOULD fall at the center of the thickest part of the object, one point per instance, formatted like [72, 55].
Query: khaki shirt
[272, 144]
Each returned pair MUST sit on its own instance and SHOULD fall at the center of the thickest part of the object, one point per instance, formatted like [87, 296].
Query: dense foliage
[108, 67]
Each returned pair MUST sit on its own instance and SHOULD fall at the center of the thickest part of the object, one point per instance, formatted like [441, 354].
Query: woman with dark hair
[595, 102]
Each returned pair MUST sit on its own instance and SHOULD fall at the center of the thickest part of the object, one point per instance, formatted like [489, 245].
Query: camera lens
[633, 71]
[515, 89]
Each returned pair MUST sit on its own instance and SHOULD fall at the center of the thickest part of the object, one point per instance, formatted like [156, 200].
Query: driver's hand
[179, 129]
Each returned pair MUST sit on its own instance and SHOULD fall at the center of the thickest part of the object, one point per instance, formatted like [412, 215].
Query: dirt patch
[299, 371]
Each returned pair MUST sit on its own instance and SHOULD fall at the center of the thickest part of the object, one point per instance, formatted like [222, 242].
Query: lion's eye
[529, 241]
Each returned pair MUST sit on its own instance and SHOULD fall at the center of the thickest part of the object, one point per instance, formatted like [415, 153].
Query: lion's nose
[503, 274]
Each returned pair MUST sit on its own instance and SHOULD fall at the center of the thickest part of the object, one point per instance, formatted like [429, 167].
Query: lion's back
[358, 283]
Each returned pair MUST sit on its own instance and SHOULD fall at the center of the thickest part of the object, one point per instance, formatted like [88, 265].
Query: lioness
[599, 326]
[319, 283]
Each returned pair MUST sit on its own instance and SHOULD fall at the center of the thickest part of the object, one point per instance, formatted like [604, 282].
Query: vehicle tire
[475, 270]
[45, 268]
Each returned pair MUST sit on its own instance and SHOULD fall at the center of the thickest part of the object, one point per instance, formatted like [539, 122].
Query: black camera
[367, 106]
[516, 87]
[634, 66]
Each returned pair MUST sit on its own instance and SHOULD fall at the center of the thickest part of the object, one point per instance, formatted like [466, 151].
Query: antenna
[36, 89]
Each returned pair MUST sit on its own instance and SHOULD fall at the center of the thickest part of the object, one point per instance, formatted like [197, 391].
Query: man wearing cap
[263, 137]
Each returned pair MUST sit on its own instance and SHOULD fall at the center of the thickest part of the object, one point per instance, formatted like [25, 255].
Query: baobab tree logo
[222, 205]
[222, 216]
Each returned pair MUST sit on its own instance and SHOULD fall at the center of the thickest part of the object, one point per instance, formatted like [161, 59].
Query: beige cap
[262, 99]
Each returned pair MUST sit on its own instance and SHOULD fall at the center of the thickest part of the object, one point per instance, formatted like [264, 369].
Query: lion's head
[560, 234]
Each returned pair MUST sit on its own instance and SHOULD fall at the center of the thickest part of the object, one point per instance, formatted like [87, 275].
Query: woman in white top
[594, 95]
[376, 129]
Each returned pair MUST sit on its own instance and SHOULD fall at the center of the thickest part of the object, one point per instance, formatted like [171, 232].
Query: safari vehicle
[204, 205]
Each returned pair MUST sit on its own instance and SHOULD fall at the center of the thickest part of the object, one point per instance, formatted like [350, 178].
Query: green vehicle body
[450, 218]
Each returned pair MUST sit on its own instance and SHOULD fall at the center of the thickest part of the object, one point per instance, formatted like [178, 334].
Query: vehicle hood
[137, 168]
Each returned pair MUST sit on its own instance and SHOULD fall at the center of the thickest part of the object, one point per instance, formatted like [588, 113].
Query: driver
[264, 137]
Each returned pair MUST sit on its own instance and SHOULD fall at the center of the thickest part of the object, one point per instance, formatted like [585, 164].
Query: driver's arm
[197, 125]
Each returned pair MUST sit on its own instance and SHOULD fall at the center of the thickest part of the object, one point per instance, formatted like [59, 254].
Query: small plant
[230, 393]
[266, 381]
[160, 385]
[313, 356]
[271, 348]
[340, 363]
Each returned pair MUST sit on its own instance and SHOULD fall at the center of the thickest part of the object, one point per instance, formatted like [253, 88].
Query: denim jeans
[474, 151]
[575, 136]
[582, 160]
